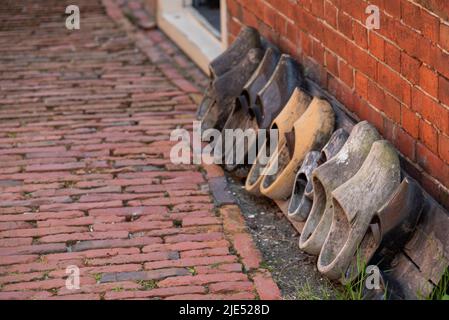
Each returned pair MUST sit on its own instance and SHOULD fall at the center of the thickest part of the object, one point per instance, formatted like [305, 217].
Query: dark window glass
[209, 9]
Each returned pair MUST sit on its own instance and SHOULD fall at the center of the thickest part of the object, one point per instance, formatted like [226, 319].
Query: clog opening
[243, 101]
[256, 111]
[258, 167]
[319, 205]
[323, 158]
[337, 237]
[298, 192]
[283, 161]
[364, 252]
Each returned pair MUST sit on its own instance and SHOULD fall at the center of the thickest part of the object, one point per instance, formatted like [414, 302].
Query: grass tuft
[441, 291]
[148, 284]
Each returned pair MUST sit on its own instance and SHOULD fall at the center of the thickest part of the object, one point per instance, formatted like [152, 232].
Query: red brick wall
[396, 77]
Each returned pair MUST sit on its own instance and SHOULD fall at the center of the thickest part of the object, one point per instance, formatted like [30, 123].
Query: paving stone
[143, 275]
[85, 173]
[219, 188]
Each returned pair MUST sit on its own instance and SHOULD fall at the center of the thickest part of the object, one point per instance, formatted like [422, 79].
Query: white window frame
[192, 32]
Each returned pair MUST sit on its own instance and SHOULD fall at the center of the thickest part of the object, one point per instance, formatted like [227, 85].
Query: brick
[376, 45]
[332, 63]
[360, 35]
[199, 221]
[86, 236]
[232, 286]
[99, 253]
[234, 296]
[411, 14]
[213, 171]
[376, 96]
[429, 136]
[100, 288]
[318, 52]
[194, 237]
[393, 7]
[406, 144]
[100, 244]
[14, 225]
[34, 249]
[37, 232]
[138, 226]
[135, 258]
[222, 268]
[443, 147]
[206, 252]
[431, 110]
[443, 90]
[189, 262]
[428, 80]
[430, 25]
[409, 40]
[355, 8]
[143, 275]
[186, 246]
[265, 287]
[437, 58]
[392, 56]
[13, 242]
[390, 80]
[389, 129]
[346, 73]
[17, 259]
[371, 115]
[20, 278]
[317, 7]
[159, 292]
[345, 24]
[309, 23]
[330, 13]
[233, 221]
[410, 122]
[361, 84]
[428, 160]
[410, 68]
[55, 167]
[364, 62]
[392, 108]
[43, 284]
[291, 33]
[287, 8]
[220, 191]
[269, 16]
[202, 279]
[233, 8]
[129, 211]
[81, 206]
[243, 244]
[84, 221]
[444, 35]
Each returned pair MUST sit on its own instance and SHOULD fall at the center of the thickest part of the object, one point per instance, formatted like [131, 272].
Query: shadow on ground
[294, 271]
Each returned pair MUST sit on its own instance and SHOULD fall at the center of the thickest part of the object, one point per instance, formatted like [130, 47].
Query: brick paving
[85, 174]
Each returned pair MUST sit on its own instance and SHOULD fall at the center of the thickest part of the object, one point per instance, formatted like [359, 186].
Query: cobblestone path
[85, 174]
